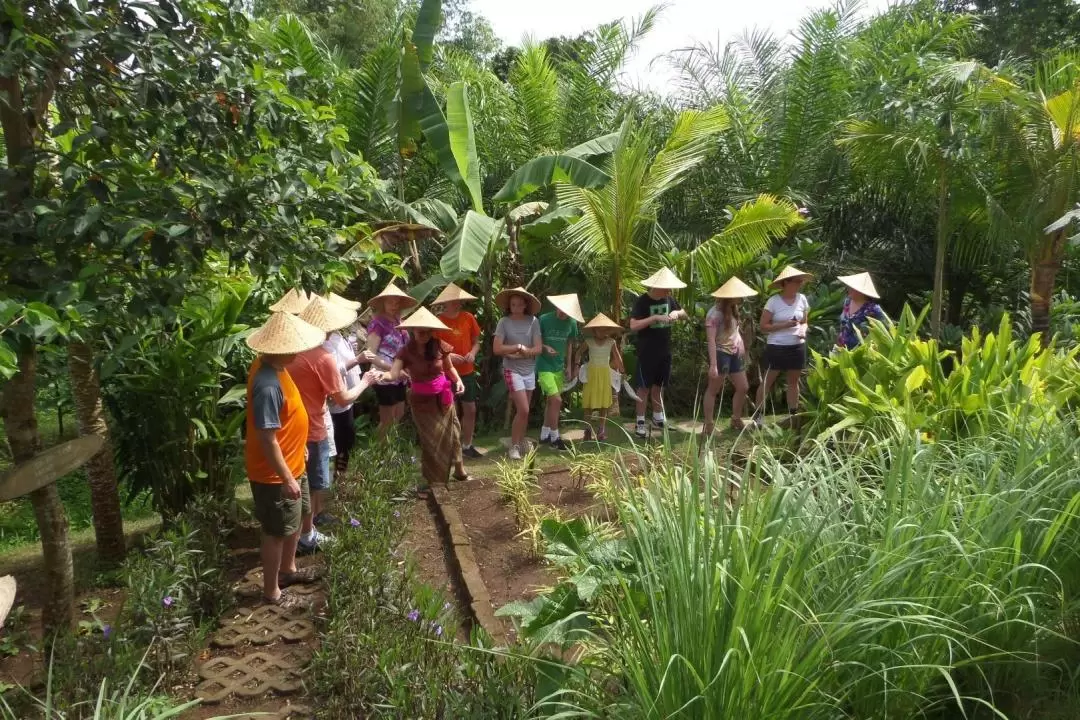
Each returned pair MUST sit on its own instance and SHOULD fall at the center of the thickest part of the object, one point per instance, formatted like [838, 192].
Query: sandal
[462, 478]
[303, 576]
[287, 601]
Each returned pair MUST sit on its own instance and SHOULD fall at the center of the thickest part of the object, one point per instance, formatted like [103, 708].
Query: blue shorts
[728, 364]
[318, 464]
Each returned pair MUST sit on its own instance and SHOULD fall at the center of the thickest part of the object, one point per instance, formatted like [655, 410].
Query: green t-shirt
[556, 333]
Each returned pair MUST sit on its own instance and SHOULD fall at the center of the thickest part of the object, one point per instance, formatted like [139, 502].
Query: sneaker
[471, 452]
[658, 423]
[759, 421]
[640, 430]
[308, 548]
[514, 452]
[325, 519]
[558, 444]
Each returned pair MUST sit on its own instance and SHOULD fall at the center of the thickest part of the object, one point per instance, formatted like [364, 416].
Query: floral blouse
[860, 319]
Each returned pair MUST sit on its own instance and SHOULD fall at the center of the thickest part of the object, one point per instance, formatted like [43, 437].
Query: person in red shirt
[316, 375]
[274, 448]
[463, 336]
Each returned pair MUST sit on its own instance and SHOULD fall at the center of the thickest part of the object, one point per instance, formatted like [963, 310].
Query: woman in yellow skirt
[604, 355]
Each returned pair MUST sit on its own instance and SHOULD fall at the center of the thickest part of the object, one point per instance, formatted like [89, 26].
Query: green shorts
[472, 388]
[279, 516]
[550, 383]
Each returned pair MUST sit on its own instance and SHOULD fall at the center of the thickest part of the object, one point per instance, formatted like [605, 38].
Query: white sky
[682, 23]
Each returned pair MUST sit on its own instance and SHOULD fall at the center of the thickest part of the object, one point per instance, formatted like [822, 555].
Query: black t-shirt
[654, 340]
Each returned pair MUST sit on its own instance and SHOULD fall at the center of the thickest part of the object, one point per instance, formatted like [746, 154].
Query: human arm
[394, 374]
[451, 372]
[348, 397]
[677, 313]
[616, 358]
[371, 352]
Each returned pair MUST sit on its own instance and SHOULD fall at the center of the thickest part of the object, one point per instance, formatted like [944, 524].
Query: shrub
[387, 647]
[895, 380]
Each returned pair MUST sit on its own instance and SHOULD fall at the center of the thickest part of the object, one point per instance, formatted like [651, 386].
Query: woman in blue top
[859, 308]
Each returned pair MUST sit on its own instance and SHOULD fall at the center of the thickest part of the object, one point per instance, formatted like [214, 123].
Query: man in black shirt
[651, 319]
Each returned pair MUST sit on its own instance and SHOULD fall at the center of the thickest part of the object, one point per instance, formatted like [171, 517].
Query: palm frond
[536, 91]
[366, 95]
[751, 231]
[687, 146]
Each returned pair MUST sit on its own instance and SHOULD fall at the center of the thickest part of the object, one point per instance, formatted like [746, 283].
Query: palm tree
[1039, 182]
[618, 231]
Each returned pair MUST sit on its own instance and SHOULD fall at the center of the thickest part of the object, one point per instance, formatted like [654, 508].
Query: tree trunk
[1043, 278]
[20, 423]
[101, 470]
[940, 245]
[958, 285]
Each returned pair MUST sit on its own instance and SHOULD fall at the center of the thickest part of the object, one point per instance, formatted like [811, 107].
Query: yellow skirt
[597, 393]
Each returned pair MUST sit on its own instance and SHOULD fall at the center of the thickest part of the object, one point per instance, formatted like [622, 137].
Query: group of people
[307, 376]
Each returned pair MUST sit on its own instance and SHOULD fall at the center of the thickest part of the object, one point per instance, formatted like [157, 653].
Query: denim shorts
[728, 364]
[318, 464]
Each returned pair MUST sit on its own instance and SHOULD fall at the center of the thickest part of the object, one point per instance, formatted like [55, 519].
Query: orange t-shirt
[273, 402]
[463, 333]
[316, 375]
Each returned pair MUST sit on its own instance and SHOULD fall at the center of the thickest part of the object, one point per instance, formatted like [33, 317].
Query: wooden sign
[7, 597]
[47, 467]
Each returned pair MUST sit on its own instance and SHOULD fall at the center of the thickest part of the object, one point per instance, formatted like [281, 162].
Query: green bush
[387, 648]
[896, 381]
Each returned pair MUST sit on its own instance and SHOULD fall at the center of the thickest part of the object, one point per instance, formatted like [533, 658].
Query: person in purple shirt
[859, 308]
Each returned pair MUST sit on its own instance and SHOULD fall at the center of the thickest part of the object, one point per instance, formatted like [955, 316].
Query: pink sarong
[440, 387]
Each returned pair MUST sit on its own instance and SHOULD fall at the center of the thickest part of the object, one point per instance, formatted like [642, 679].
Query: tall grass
[913, 580]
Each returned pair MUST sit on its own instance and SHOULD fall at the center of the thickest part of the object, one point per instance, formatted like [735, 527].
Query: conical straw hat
[503, 299]
[285, 334]
[861, 283]
[293, 302]
[568, 304]
[451, 293]
[344, 302]
[327, 316]
[390, 291]
[422, 319]
[663, 279]
[789, 272]
[733, 289]
[602, 322]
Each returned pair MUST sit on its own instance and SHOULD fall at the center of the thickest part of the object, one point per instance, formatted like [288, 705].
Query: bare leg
[603, 425]
[764, 388]
[552, 407]
[318, 502]
[709, 406]
[468, 422]
[742, 387]
[288, 553]
[306, 524]
[793, 377]
[386, 420]
[271, 552]
[657, 393]
[520, 424]
[643, 399]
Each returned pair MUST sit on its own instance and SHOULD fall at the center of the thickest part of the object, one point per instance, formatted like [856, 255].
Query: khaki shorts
[279, 516]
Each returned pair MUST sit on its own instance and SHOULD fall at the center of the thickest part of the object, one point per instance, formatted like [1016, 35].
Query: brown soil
[428, 548]
[509, 569]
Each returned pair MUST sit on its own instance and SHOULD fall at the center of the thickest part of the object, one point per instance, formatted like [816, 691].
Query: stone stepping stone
[264, 625]
[252, 586]
[253, 675]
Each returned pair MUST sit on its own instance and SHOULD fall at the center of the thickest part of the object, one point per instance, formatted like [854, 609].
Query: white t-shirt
[781, 313]
[343, 353]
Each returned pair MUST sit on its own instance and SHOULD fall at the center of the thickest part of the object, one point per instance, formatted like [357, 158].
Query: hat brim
[377, 302]
[568, 306]
[805, 277]
[855, 283]
[502, 301]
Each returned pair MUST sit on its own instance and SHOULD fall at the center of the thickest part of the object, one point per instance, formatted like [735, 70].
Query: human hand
[714, 373]
[549, 350]
[367, 356]
[291, 490]
[470, 357]
[459, 387]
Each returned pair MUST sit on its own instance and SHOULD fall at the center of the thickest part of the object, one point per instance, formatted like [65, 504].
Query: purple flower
[446, 606]
[397, 514]
[167, 601]
[354, 522]
[106, 631]
[438, 631]
[413, 615]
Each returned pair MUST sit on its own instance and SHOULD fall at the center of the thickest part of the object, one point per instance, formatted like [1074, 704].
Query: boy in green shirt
[559, 330]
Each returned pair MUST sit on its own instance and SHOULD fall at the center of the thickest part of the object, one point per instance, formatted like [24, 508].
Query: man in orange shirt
[464, 339]
[274, 448]
[316, 375]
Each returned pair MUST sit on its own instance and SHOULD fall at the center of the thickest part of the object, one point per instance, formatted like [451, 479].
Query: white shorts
[516, 382]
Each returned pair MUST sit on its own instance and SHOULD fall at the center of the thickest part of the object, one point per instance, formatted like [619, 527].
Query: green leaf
[421, 291]
[423, 36]
[437, 132]
[552, 223]
[570, 533]
[88, 220]
[463, 142]
[603, 145]
[9, 362]
[549, 169]
[235, 395]
[469, 244]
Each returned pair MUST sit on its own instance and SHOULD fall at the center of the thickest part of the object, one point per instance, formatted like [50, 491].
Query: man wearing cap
[316, 375]
[274, 448]
[651, 317]
[559, 330]
[463, 337]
